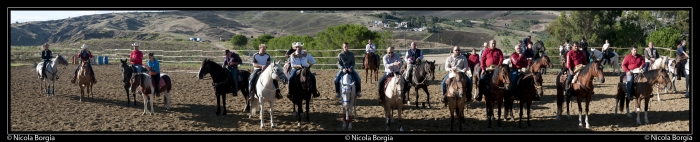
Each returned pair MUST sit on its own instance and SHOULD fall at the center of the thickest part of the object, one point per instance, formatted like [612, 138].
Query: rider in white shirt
[301, 59]
[370, 48]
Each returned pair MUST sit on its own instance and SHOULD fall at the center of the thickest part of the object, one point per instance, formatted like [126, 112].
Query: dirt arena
[193, 107]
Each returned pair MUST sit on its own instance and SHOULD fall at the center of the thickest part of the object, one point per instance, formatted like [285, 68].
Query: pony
[127, 72]
[371, 67]
[143, 83]
[84, 80]
[51, 74]
[642, 89]
[301, 90]
[220, 82]
[422, 72]
[674, 75]
[659, 63]
[265, 92]
[527, 86]
[394, 91]
[493, 87]
[348, 96]
[614, 60]
[582, 88]
[456, 95]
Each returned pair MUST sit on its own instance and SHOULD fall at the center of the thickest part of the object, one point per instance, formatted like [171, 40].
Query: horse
[301, 90]
[475, 80]
[674, 74]
[51, 74]
[143, 83]
[348, 96]
[582, 88]
[659, 63]
[493, 88]
[371, 67]
[84, 80]
[265, 92]
[394, 91]
[539, 47]
[127, 72]
[540, 64]
[527, 86]
[614, 60]
[421, 72]
[642, 89]
[456, 95]
[220, 82]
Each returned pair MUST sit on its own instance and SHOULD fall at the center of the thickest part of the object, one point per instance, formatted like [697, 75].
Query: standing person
[456, 62]
[85, 56]
[153, 67]
[261, 61]
[575, 60]
[413, 56]
[300, 59]
[136, 58]
[346, 63]
[46, 55]
[586, 52]
[473, 60]
[650, 56]
[231, 62]
[392, 64]
[631, 62]
[370, 48]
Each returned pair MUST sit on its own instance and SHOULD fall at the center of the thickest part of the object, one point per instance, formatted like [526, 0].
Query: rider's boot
[73, 80]
[93, 78]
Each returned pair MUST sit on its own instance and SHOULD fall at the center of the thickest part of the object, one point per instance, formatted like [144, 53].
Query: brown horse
[527, 86]
[643, 90]
[540, 63]
[494, 86]
[421, 72]
[476, 74]
[84, 80]
[371, 67]
[456, 95]
[145, 85]
[582, 88]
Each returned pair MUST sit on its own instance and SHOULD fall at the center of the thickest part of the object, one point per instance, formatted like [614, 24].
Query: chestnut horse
[371, 67]
[643, 90]
[582, 88]
[494, 86]
[84, 80]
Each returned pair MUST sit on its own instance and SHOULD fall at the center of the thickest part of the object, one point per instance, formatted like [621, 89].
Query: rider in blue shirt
[153, 67]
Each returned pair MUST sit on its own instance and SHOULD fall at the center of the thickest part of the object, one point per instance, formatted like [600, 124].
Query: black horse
[301, 89]
[222, 83]
[127, 72]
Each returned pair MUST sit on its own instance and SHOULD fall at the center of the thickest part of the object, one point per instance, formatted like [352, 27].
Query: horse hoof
[588, 126]
[262, 126]
[388, 129]
[273, 126]
[298, 123]
[144, 113]
[400, 129]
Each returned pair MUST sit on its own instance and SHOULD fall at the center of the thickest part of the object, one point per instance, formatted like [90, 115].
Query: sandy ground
[193, 107]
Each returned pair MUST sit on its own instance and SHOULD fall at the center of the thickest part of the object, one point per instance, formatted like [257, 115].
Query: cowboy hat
[135, 44]
[84, 46]
[295, 44]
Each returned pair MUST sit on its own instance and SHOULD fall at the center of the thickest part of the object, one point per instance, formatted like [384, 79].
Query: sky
[26, 16]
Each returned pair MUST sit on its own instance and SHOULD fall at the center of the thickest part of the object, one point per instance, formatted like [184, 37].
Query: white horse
[671, 63]
[659, 64]
[614, 60]
[266, 92]
[51, 74]
[348, 97]
[393, 94]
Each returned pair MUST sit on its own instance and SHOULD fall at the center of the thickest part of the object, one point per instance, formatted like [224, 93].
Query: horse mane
[585, 69]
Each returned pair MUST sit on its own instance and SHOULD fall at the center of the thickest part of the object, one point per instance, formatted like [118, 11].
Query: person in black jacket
[46, 55]
[586, 52]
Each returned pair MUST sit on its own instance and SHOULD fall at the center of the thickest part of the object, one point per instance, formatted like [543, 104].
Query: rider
[575, 60]
[473, 59]
[346, 63]
[231, 62]
[586, 52]
[392, 64]
[492, 57]
[632, 61]
[681, 55]
[85, 55]
[261, 61]
[650, 56]
[153, 67]
[301, 59]
[413, 56]
[46, 55]
[370, 48]
[136, 57]
[518, 61]
[606, 52]
[525, 42]
[457, 62]
[528, 53]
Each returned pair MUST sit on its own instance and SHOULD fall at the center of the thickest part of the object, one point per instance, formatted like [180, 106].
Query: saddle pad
[635, 78]
[490, 68]
[161, 83]
[575, 77]
[579, 68]
[387, 81]
[637, 70]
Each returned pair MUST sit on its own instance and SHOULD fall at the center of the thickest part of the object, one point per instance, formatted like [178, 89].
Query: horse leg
[218, 102]
[452, 117]
[580, 111]
[489, 112]
[416, 88]
[262, 120]
[167, 99]
[272, 121]
[82, 92]
[128, 100]
[646, 111]
[529, 104]
[520, 120]
[299, 111]
[307, 111]
[568, 105]
[150, 98]
[387, 114]
[145, 104]
[500, 105]
[427, 94]
[367, 72]
[400, 111]
[223, 101]
[638, 100]
[588, 102]
[560, 101]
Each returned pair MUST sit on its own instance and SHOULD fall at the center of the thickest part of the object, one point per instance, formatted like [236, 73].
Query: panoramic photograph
[349, 70]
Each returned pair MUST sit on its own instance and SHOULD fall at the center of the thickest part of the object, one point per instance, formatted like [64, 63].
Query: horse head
[205, 68]
[430, 69]
[278, 73]
[538, 83]
[61, 61]
[399, 84]
[658, 76]
[503, 76]
[457, 84]
[598, 70]
[135, 81]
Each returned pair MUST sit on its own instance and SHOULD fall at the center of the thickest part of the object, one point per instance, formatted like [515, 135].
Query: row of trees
[621, 28]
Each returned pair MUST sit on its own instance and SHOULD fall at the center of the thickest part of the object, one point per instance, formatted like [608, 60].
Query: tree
[239, 40]
[334, 36]
[262, 39]
[595, 26]
[667, 37]
[393, 13]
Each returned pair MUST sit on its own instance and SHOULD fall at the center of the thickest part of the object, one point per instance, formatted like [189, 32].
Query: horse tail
[168, 81]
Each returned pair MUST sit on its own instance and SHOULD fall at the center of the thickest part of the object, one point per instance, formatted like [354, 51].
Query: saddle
[490, 68]
[161, 83]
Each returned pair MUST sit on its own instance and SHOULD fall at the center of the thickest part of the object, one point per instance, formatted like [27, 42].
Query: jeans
[513, 78]
[355, 77]
[292, 77]
[43, 67]
[646, 66]
[254, 79]
[687, 81]
[156, 81]
[568, 82]
[139, 68]
[629, 87]
[234, 76]
[443, 85]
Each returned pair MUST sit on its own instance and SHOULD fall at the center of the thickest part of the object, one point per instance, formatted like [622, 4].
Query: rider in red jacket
[632, 61]
[84, 55]
[573, 58]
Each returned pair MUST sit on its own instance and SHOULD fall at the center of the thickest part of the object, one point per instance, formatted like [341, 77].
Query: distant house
[403, 24]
